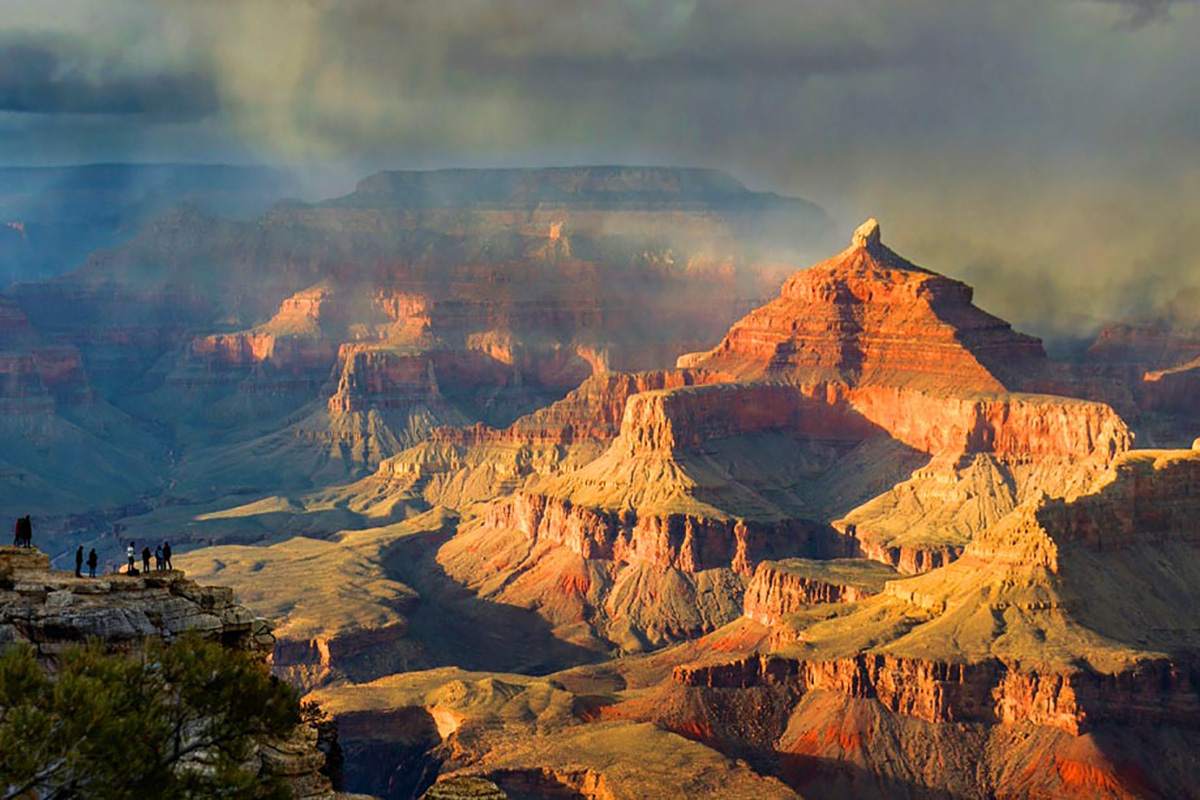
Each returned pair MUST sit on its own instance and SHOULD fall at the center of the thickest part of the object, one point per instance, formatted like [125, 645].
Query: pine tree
[173, 721]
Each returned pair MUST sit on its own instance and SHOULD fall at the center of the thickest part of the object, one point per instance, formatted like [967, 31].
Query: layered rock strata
[733, 458]
[780, 588]
[360, 324]
[1058, 648]
[678, 541]
[54, 610]
[868, 316]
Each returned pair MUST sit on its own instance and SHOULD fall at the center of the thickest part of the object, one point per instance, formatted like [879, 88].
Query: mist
[1045, 152]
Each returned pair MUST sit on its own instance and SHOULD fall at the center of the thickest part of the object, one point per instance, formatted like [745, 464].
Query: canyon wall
[673, 540]
[1156, 692]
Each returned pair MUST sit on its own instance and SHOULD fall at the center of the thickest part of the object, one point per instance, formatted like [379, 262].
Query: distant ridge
[579, 186]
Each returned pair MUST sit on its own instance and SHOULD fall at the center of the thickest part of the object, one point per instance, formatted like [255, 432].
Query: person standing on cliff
[23, 532]
[146, 559]
[158, 559]
[131, 554]
[93, 560]
[167, 555]
[79, 562]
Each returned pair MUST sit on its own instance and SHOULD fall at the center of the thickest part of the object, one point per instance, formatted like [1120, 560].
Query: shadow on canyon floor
[829, 779]
[457, 628]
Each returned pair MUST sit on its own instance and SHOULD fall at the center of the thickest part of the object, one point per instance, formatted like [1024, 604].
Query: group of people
[23, 532]
[23, 537]
[162, 557]
[92, 561]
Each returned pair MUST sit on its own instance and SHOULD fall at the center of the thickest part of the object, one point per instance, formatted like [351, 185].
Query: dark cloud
[63, 76]
[1037, 147]
[1143, 12]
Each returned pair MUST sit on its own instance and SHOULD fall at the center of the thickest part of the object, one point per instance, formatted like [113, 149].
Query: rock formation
[316, 341]
[524, 735]
[1166, 337]
[337, 612]
[464, 788]
[781, 588]
[867, 316]
[54, 610]
[870, 382]
[1027, 635]
[1154, 358]
[850, 551]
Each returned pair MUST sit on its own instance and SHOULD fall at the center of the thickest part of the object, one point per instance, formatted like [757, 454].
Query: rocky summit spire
[867, 234]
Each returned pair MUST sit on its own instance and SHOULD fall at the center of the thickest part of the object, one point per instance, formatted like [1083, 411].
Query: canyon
[570, 481]
[316, 340]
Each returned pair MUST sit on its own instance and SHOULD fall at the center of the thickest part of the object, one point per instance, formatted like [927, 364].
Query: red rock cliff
[867, 316]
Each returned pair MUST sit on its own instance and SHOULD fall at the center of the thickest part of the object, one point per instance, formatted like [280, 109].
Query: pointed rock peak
[867, 234]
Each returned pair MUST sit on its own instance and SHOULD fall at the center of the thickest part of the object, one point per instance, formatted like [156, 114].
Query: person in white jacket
[131, 554]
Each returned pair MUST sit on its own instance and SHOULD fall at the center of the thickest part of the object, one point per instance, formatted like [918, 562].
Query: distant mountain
[52, 217]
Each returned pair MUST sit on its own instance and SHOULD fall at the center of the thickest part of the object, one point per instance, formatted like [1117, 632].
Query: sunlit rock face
[1043, 652]
[419, 300]
[870, 410]
[851, 544]
[868, 316]
[1155, 357]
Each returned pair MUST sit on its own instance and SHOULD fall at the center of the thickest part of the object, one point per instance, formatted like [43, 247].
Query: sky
[1046, 151]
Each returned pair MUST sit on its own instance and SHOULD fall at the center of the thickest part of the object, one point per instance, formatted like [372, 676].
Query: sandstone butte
[54, 610]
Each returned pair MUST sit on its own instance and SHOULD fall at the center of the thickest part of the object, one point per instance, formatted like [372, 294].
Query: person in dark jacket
[79, 562]
[93, 560]
[23, 532]
[146, 559]
[167, 555]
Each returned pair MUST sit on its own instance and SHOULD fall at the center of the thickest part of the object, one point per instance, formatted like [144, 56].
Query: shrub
[172, 721]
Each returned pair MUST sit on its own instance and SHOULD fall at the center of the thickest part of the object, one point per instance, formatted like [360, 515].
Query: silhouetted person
[23, 532]
[146, 558]
[167, 555]
[93, 560]
[79, 562]
[131, 554]
[158, 559]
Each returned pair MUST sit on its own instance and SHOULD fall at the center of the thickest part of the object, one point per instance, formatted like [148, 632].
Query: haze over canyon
[608, 401]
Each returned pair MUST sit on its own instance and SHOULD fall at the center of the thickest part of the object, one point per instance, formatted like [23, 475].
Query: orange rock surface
[868, 316]
[716, 466]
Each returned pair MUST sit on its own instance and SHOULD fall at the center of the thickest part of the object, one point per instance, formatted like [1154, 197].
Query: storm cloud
[62, 76]
[1045, 150]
